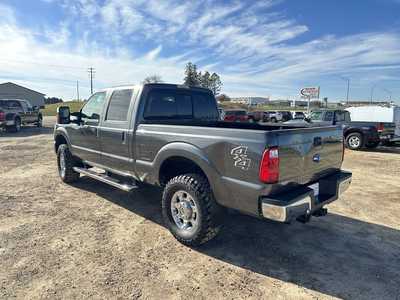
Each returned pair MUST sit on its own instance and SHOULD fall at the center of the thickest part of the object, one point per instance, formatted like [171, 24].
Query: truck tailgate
[307, 154]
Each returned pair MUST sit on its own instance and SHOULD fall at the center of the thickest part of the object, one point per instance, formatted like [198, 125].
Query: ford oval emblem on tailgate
[316, 158]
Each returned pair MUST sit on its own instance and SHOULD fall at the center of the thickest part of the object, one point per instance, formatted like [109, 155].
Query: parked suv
[274, 116]
[17, 112]
[286, 115]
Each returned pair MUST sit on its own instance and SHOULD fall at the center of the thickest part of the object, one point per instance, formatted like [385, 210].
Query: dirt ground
[91, 240]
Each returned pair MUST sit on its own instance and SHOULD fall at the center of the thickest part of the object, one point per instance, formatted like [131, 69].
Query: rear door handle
[123, 137]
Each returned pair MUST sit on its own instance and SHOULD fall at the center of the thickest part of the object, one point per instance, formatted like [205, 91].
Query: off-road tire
[39, 123]
[210, 213]
[69, 175]
[352, 145]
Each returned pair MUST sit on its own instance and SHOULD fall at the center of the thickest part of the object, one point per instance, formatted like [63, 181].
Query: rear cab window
[173, 104]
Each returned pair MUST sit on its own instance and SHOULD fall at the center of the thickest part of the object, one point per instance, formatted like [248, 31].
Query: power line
[91, 72]
[40, 64]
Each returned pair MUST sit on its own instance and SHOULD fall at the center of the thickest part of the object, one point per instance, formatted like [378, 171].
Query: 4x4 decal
[240, 157]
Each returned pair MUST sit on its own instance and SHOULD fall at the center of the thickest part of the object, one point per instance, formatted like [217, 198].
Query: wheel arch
[180, 158]
[60, 137]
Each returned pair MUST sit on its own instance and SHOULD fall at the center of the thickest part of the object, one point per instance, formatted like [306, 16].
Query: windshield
[316, 116]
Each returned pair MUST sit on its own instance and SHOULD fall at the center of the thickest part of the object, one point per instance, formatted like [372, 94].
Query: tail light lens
[2, 116]
[269, 167]
[380, 127]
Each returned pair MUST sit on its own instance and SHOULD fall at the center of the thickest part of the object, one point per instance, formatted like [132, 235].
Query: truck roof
[166, 85]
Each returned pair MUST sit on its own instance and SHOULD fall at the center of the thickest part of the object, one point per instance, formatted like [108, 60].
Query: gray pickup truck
[15, 113]
[171, 136]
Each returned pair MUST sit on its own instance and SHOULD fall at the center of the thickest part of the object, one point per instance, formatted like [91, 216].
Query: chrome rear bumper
[301, 202]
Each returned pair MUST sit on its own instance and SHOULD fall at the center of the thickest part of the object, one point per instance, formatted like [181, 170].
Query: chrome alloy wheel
[184, 211]
[62, 164]
[354, 142]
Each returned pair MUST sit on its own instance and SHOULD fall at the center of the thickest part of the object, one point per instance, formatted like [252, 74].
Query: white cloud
[153, 54]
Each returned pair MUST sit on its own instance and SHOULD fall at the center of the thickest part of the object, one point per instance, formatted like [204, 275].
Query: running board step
[106, 179]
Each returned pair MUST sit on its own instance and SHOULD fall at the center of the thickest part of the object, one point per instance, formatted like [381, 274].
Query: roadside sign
[310, 92]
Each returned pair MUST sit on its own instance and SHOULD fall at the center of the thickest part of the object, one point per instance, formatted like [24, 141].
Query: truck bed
[233, 152]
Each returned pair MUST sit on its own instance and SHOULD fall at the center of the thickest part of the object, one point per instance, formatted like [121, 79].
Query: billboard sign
[310, 93]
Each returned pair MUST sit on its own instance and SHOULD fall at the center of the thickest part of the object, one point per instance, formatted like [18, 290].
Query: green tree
[215, 84]
[205, 80]
[152, 79]
[191, 75]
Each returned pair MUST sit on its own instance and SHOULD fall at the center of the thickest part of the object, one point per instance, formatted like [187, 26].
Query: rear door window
[119, 105]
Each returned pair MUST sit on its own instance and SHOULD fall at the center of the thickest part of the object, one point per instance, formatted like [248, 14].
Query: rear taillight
[380, 127]
[269, 167]
[2, 116]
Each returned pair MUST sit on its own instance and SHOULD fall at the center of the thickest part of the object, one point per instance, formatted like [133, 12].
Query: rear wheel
[189, 209]
[354, 141]
[66, 163]
[273, 120]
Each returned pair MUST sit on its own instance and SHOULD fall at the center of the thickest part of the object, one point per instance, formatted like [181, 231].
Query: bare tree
[152, 79]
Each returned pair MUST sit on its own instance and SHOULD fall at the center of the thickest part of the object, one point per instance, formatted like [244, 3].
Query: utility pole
[91, 75]
[77, 89]
[390, 94]
[348, 87]
[372, 92]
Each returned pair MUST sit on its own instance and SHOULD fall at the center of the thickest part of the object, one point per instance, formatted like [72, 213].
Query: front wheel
[66, 163]
[189, 209]
[39, 122]
[354, 141]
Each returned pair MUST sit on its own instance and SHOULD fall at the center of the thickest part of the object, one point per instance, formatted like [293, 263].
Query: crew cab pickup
[171, 136]
[357, 135]
[17, 112]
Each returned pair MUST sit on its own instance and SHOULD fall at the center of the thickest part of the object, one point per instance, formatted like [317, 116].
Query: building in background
[11, 90]
[251, 101]
[366, 103]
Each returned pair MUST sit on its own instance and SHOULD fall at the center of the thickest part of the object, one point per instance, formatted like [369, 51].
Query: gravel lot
[91, 240]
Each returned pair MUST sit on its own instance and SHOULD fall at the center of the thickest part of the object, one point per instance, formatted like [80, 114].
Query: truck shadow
[335, 255]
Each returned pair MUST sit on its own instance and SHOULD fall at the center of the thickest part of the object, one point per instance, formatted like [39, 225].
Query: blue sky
[260, 48]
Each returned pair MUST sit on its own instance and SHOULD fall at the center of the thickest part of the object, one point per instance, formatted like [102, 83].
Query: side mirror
[63, 115]
[35, 108]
